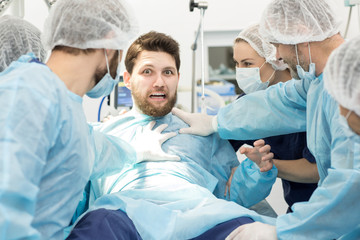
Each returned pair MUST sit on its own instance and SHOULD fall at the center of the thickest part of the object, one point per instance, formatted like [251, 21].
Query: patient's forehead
[156, 59]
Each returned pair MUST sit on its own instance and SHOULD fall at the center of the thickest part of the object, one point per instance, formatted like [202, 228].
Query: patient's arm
[228, 183]
[259, 154]
[248, 184]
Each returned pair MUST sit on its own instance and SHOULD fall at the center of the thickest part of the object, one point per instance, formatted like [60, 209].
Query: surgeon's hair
[73, 51]
[155, 42]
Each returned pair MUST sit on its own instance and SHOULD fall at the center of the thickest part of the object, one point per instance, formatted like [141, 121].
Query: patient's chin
[156, 112]
[149, 109]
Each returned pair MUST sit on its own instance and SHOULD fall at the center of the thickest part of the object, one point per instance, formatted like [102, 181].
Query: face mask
[310, 75]
[106, 84]
[248, 79]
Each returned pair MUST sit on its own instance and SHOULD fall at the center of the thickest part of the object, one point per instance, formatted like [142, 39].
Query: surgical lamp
[202, 5]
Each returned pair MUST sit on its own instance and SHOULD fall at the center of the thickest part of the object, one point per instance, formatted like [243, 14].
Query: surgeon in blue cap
[48, 152]
[305, 33]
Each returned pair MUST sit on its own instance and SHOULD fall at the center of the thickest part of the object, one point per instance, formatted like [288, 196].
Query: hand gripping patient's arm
[200, 124]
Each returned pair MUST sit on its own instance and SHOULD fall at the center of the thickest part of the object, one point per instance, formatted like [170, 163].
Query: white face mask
[248, 79]
[310, 75]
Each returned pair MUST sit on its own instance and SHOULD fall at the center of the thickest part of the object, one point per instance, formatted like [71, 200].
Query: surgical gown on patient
[295, 106]
[176, 199]
[48, 152]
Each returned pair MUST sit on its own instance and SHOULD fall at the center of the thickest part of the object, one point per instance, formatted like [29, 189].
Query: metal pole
[203, 107]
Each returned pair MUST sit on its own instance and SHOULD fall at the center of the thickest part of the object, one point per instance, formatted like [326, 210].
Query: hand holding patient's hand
[147, 143]
[259, 154]
[200, 124]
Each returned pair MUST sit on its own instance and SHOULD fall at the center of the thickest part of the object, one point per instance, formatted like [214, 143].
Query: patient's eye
[147, 71]
[168, 72]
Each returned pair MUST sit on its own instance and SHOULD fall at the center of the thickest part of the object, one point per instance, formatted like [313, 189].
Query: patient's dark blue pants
[116, 225]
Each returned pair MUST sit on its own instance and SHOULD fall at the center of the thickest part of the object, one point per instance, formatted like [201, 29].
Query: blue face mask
[106, 84]
[311, 74]
[248, 79]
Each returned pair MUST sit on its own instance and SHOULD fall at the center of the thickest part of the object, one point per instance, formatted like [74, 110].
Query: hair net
[342, 75]
[18, 37]
[266, 50]
[298, 21]
[87, 24]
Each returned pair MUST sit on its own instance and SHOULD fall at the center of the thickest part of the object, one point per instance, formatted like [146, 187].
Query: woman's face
[246, 57]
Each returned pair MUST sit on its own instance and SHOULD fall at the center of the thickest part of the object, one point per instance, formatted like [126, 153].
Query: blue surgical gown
[164, 199]
[48, 152]
[304, 105]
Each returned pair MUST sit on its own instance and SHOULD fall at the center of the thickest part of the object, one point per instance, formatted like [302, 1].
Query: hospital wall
[174, 18]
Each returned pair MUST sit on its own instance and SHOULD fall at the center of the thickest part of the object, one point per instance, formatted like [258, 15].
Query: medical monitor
[122, 96]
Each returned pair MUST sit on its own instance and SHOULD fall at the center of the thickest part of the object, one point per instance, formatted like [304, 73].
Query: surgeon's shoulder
[33, 81]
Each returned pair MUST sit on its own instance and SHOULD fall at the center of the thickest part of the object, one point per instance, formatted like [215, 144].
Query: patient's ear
[127, 77]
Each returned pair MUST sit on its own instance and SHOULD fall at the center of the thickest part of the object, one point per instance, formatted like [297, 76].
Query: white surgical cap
[342, 75]
[298, 21]
[18, 37]
[263, 48]
[88, 24]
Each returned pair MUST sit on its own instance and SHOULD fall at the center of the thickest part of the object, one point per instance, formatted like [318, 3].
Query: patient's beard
[149, 109]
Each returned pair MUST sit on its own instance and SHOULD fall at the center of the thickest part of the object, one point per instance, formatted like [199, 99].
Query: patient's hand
[228, 183]
[147, 143]
[259, 154]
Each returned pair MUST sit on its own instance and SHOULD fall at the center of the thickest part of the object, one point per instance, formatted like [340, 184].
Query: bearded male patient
[170, 199]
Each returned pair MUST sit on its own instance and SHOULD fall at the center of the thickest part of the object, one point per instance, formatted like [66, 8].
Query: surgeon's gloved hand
[259, 154]
[200, 124]
[147, 143]
[253, 231]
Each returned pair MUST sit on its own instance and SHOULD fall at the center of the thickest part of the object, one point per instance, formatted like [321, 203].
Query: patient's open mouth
[158, 96]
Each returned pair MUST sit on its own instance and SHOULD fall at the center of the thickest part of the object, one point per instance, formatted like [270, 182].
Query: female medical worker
[256, 69]
[305, 33]
[48, 151]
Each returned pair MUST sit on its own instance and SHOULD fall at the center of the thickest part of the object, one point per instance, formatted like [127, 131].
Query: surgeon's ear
[127, 77]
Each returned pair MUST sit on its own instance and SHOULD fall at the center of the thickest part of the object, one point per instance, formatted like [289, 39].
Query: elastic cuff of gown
[214, 123]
